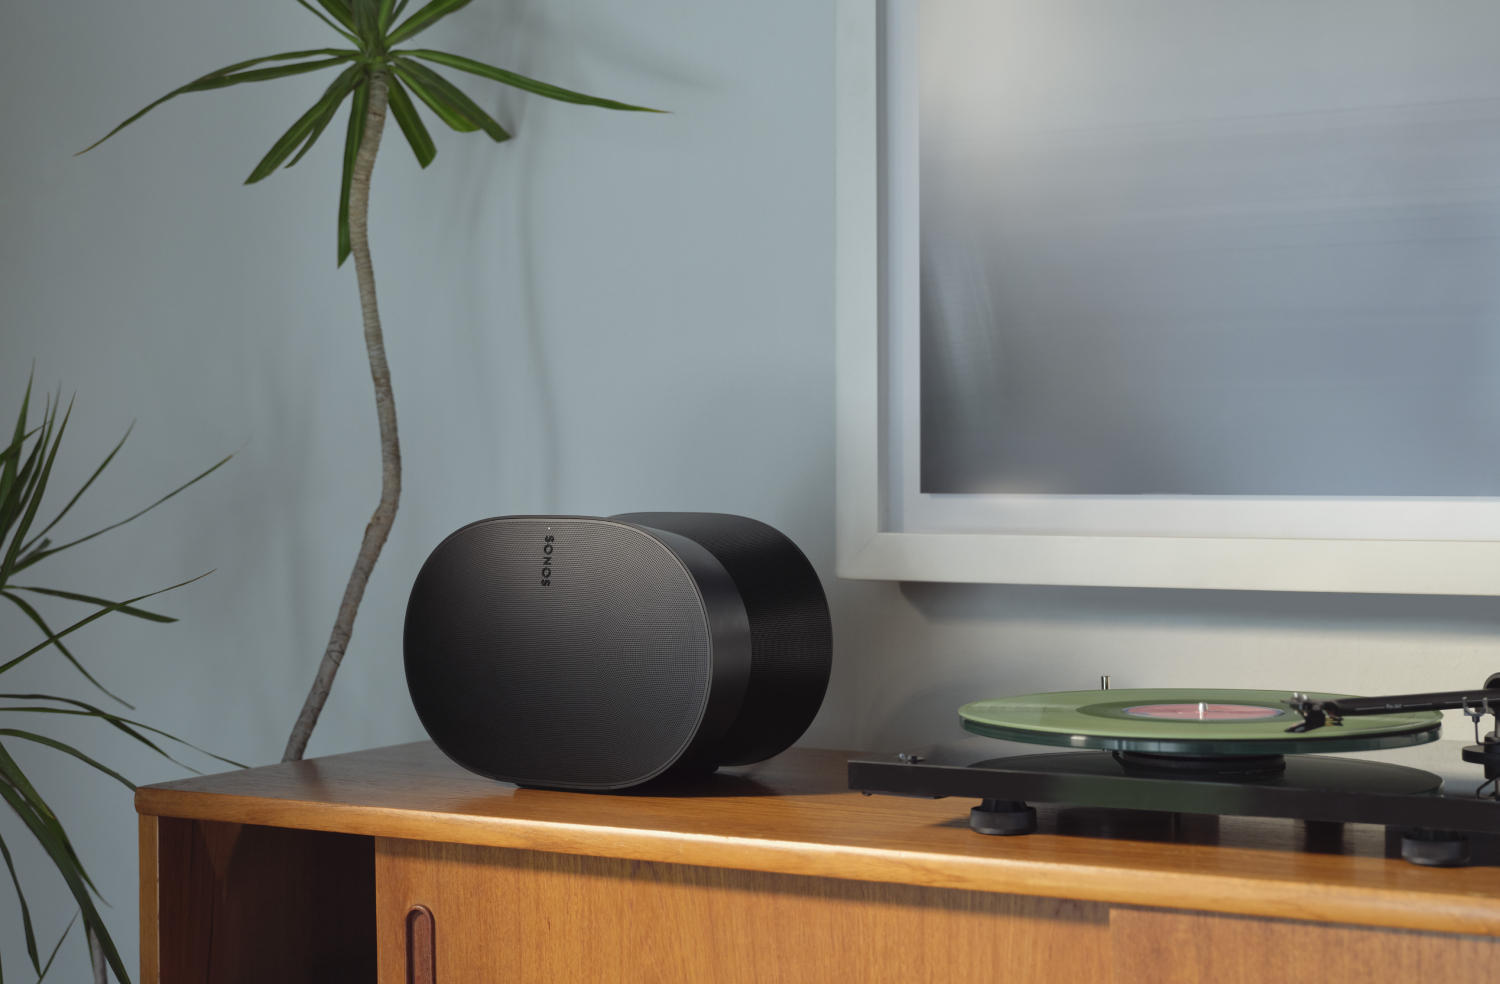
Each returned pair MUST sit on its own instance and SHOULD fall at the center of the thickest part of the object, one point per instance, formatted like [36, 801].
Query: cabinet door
[1152, 946]
[502, 915]
[237, 903]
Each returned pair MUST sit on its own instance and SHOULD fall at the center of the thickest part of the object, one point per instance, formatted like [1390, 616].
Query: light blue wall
[613, 312]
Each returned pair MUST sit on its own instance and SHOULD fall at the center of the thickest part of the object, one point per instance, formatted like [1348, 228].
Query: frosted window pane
[1215, 248]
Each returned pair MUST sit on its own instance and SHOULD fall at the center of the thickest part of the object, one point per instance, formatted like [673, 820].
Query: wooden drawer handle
[421, 950]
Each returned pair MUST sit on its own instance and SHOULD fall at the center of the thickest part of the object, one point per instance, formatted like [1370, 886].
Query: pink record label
[1203, 712]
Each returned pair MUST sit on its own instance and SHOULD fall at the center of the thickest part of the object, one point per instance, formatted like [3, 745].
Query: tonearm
[1318, 713]
[1475, 704]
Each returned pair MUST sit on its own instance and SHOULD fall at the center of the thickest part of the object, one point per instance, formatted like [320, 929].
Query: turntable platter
[1180, 721]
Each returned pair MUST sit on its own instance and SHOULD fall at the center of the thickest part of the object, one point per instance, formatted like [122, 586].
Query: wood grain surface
[150, 930]
[241, 904]
[1193, 947]
[794, 815]
[534, 918]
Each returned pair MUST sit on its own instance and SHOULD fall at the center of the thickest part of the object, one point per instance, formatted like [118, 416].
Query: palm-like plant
[376, 75]
[24, 475]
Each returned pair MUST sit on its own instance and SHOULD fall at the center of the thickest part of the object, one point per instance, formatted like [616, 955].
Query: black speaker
[573, 652]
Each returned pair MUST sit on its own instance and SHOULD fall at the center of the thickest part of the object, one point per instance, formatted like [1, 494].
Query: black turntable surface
[1317, 773]
[1217, 752]
[1375, 788]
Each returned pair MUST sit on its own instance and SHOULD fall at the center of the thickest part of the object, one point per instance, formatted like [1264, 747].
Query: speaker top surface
[559, 651]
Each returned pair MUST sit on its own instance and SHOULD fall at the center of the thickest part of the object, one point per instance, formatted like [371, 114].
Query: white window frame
[867, 549]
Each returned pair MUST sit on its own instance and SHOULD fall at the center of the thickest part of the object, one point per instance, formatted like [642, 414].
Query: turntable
[1226, 752]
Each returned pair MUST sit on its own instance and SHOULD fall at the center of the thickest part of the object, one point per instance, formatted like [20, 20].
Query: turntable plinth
[309, 871]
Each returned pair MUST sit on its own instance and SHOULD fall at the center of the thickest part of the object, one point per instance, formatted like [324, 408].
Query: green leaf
[124, 725]
[215, 80]
[47, 629]
[63, 858]
[330, 23]
[366, 22]
[10, 772]
[12, 476]
[386, 15]
[43, 821]
[85, 621]
[26, 915]
[359, 107]
[60, 939]
[449, 93]
[127, 610]
[424, 18]
[339, 9]
[79, 494]
[278, 72]
[20, 480]
[34, 492]
[51, 743]
[444, 110]
[322, 124]
[411, 124]
[521, 81]
[36, 555]
[305, 126]
[18, 494]
[13, 453]
[317, 131]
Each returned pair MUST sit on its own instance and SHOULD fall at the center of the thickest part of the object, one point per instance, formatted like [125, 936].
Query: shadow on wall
[928, 716]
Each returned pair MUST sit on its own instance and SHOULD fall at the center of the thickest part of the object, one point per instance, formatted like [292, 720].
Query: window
[1163, 293]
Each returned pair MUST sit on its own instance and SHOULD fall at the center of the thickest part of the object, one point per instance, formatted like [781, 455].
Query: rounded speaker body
[572, 652]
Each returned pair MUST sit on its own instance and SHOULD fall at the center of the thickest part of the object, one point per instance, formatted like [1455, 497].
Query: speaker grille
[790, 629]
[596, 680]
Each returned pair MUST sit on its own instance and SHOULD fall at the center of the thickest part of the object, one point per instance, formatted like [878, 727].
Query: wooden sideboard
[396, 865]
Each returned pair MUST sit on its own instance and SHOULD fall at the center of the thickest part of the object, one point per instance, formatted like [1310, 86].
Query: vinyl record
[1178, 721]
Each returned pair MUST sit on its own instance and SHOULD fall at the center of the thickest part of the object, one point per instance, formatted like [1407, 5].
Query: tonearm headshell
[1476, 705]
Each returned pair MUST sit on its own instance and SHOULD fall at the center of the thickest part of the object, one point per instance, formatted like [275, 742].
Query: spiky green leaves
[371, 25]
[411, 124]
[25, 468]
[339, 11]
[425, 18]
[447, 100]
[305, 132]
[366, 17]
[234, 75]
[23, 483]
[43, 823]
[384, 15]
[522, 82]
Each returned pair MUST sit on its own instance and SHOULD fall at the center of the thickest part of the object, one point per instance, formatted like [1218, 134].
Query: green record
[1179, 721]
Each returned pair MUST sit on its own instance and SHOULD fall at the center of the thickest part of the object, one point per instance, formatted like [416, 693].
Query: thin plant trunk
[385, 406]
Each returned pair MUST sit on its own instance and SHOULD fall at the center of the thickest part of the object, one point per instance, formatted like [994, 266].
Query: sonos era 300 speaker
[571, 652]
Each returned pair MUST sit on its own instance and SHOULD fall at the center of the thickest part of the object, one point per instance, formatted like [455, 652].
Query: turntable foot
[1435, 848]
[1005, 818]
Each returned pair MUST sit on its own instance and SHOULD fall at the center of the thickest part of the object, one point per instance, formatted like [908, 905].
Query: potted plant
[375, 76]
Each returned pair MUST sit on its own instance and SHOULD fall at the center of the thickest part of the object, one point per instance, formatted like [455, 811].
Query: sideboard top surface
[796, 815]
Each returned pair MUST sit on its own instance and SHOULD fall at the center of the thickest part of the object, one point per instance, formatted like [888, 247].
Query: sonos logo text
[547, 545]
